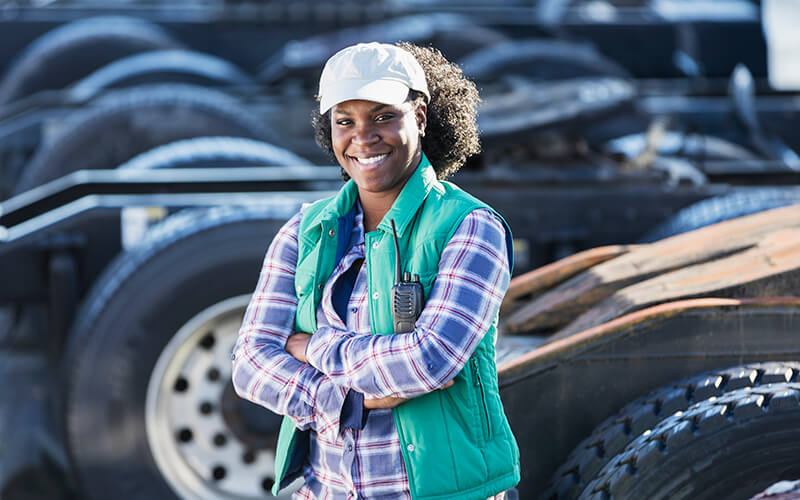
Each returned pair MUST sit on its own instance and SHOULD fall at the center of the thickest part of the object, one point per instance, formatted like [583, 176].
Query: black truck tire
[454, 35]
[72, 51]
[722, 208]
[149, 409]
[616, 432]
[204, 152]
[729, 447]
[132, 121]
[539, 59]
[162, 66]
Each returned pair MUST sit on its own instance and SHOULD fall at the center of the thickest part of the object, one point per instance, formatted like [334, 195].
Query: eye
[343, 122]
[383, 117]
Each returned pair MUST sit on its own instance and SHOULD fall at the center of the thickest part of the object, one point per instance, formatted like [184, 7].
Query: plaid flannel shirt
[343, 355]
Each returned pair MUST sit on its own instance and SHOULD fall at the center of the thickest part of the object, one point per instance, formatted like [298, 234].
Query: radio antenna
[398, 274]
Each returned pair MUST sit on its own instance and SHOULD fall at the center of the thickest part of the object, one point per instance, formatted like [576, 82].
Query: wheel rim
[199, 440]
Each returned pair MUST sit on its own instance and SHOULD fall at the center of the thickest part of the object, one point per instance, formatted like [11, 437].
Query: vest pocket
[482, 408]
[461, 399]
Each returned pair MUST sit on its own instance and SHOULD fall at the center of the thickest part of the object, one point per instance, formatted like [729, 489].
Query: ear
[421, 116]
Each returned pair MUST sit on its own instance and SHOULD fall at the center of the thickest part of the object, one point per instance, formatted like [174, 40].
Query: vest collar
[403, 209]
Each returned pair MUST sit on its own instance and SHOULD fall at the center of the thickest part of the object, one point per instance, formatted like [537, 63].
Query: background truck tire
[131, 121]
[74, 50]
[200, 152]
[162, 66]
[453, 34]
[615, 433]
[159, 324]
[722, 208]
[729, 447]
[207, 152]
[539, 59]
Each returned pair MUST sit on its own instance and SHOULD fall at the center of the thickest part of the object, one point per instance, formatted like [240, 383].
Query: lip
[371, 166]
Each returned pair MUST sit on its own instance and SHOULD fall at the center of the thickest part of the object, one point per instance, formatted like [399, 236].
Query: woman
[378, 408]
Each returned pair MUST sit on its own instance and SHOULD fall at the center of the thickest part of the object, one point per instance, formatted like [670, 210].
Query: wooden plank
[560, 351]
[552, 274]
[573, 297]
[771, 268]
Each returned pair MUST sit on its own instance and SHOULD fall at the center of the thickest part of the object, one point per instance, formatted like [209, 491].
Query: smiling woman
[373, 409]
[379, 147]
[451, 133]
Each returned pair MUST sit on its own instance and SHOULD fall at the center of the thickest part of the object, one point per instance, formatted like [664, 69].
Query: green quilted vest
[456, 442]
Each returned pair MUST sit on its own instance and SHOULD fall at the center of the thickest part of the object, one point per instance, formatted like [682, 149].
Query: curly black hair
[451, 134]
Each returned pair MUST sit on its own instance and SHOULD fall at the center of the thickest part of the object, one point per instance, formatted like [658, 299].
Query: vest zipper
[479, 384]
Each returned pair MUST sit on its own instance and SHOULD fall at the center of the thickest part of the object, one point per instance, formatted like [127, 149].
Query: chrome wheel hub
[207, 442]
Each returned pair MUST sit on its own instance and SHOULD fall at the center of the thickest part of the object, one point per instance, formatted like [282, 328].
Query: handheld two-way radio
[406, 294]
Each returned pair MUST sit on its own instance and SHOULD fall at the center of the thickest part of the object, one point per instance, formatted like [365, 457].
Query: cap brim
[382, 91]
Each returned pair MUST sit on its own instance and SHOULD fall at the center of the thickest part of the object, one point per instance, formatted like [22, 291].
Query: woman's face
[378, 145]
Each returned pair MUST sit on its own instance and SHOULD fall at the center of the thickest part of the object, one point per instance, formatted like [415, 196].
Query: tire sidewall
[135, 120]
[75, 49]
[125, 334]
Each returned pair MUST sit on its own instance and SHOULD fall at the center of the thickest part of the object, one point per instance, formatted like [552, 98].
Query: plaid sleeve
[472, 280]
[263, 372]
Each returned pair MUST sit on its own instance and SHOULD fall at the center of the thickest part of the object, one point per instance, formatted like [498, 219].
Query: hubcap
[207, 442]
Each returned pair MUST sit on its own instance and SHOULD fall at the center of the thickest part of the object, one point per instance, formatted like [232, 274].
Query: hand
[390, 402]
[383, 403]
[296, 346]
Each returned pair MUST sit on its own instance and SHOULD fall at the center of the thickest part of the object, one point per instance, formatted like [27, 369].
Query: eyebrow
[372, 110]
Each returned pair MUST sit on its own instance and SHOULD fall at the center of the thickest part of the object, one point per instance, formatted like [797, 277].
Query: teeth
[371, 160]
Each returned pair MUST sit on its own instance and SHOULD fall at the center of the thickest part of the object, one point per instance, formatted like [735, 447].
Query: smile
[371, 161]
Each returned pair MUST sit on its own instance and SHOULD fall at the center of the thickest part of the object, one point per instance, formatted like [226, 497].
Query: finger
[449, 383]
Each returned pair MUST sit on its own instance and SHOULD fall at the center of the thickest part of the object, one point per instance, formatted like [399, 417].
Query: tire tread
[615, 433]
[703, 418]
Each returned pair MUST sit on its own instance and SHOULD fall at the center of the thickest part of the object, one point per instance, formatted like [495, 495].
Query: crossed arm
[270, 359]
[263, 372]
[297, 344]
[470, 284]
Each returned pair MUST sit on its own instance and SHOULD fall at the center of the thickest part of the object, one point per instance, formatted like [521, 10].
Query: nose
[365, 133]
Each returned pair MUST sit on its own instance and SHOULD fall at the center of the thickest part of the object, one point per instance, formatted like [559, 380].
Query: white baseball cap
[370, 71]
